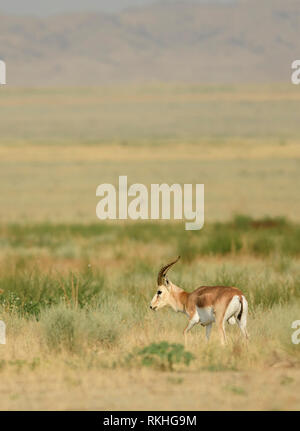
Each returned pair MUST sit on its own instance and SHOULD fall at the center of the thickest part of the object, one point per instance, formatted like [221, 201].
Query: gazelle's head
[163, 294]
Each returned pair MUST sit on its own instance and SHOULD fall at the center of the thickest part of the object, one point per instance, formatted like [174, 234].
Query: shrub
[164, 356]
[290, 244]
[263, 245]
[222, 242]
[67, 328]
[60, 327]
[242, 222]
[187, 248]
[28, 292]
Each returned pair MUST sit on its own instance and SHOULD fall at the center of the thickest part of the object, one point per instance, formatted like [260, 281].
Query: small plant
[286, 380]
[214, 362]
[72, 300]
[175, 380]
[164, 355]
[237, 390]
[60, 327]
[66, 328]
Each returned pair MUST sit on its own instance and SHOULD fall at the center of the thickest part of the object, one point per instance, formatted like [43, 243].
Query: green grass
[258, 237]
[31, 253]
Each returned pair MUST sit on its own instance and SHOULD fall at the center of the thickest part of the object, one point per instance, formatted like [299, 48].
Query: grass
[260, 237]
[42, 266]
[83, 317]
[31, 253]
[58, 145]
[75, 292]
[72, 330]
[70, 351]
[143, 114]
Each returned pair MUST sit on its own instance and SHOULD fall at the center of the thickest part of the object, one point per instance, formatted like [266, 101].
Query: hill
[247, 41]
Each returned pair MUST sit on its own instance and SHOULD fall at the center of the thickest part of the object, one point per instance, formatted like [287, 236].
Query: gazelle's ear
[166, 282]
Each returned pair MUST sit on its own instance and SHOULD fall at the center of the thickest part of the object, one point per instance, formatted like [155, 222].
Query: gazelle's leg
[223, 333]
[192, 322]
[243, 328]
[208, 330]
[220, 322]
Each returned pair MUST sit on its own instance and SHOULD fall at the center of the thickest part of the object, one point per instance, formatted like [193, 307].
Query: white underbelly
[206, 315]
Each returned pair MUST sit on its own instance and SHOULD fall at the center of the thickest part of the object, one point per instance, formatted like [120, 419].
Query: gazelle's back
[205, 296]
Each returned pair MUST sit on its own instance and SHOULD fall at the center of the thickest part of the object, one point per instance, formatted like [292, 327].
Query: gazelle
[205, 305]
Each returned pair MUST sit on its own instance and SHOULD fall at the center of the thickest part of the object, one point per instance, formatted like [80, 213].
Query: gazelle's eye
[159, 292]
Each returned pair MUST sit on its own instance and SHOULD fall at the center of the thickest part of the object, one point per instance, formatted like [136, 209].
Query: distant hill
[249, 41]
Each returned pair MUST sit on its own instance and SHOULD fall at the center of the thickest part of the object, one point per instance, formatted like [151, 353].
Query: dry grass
[65, 389]
[75, 297]
[261, 375]
[76, 357]
[231, 149]
[58, 145]
[65, 191]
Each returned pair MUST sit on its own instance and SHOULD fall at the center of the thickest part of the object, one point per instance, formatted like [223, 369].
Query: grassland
[57, 145]
[76, 304]
[76, 291]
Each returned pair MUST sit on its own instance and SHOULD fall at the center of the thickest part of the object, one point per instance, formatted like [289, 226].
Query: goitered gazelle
[205, 305]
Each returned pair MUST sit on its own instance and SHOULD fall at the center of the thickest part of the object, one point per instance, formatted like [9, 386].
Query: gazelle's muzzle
[153, 308]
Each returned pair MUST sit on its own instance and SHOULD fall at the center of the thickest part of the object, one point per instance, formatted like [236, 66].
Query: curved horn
[164, 270]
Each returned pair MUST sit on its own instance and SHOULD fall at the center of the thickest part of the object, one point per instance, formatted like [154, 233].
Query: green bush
[242, 222]
[28, 292]
[187, 248]
[164, 356]
[263, 245]
[290, 243]
[222, 242]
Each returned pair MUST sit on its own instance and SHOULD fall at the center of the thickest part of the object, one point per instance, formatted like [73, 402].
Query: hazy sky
[45, 7]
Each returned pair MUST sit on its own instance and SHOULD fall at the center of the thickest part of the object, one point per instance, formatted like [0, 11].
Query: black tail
[241, 311]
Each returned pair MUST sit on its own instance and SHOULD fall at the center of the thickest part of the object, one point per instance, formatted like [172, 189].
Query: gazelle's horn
[164, 270]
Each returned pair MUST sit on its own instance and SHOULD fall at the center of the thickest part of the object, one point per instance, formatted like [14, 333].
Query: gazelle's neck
[178, 298]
